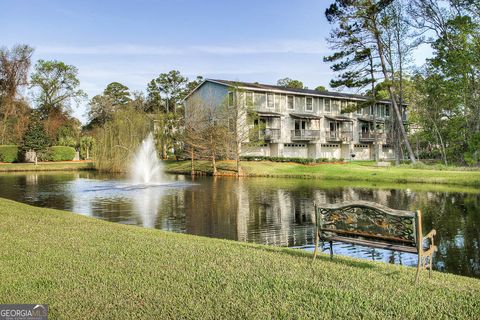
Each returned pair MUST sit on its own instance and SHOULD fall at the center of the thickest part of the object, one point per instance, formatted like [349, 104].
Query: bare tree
[243, 132]
[206, 131]
[14, 68]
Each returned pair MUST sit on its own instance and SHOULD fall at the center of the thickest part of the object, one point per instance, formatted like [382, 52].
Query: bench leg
[331, 250]
[419, 265]
[431, 265]
[316, 245]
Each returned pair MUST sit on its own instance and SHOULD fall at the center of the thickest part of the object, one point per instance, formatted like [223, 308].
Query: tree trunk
[442, 146]
[239, 168]
[214, 165]
[192, 164]
[396, 108]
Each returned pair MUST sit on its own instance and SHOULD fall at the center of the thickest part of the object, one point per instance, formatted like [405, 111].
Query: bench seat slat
[375, 244]
[368, 235]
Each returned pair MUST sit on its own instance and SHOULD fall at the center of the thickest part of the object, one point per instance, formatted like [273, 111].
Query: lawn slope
[48, 166]
[87, 268]
[354, 171]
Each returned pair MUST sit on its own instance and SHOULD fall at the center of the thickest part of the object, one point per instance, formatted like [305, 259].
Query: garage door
[330, 151]
[295, 150]
[361, 151]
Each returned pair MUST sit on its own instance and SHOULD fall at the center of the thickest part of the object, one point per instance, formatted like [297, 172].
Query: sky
[132, 42]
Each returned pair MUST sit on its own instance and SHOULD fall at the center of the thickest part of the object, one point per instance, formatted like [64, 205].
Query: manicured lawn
[354, 171]
[87, 268]
[47, 166]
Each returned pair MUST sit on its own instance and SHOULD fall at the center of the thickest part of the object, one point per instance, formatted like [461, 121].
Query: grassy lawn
[354, 171]
[87, 268]
[47, 166]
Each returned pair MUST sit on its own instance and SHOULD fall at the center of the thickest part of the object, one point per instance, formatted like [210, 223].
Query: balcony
[269, 134]
[305, 135]
[366, 136]
[339, 136]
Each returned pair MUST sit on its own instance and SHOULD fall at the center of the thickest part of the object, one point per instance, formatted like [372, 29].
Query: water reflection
[268, 211]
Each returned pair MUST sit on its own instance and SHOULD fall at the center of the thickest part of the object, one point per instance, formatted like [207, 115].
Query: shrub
[60, 153]
[9, 153]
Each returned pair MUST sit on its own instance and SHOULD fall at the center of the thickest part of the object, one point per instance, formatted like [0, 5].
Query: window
[290, 104]
[326, 105]
[299, 102]
[344, 106]
[249, 99]
[359, 110]
[382, 111]
[259, 100]
[230, 99]
[387, 111]
[309, 104]
[335, 106]
[270, 101]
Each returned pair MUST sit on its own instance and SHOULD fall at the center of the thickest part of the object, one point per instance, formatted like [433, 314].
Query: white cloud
[285, 46]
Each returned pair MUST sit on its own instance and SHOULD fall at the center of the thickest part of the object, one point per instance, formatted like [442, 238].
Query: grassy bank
[47, 166]
[87, 268]
[351, 171]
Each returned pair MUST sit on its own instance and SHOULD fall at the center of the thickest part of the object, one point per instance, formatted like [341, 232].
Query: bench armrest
[430, 235]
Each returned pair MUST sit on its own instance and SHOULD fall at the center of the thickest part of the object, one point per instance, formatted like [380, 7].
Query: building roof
[267, 87]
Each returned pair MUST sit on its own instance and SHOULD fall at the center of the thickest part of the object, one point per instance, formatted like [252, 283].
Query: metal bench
[374, 225]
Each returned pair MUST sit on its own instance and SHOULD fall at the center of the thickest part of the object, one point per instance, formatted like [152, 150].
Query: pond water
[262, 210]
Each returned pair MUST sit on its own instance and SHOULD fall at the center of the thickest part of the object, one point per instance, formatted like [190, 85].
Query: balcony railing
[338, 136]
[366, 136]
[269, 134]
[305, 134]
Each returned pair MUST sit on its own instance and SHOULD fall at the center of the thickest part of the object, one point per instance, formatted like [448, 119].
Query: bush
[60, 153]
[9, 153]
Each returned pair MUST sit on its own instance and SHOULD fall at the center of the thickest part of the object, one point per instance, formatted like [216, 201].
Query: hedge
[61, 153]
[288, 159]
[8, 153]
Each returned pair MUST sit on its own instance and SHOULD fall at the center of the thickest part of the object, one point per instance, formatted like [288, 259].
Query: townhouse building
[307, 123]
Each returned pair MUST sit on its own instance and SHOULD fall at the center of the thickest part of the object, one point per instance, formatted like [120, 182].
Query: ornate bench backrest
[368, 220]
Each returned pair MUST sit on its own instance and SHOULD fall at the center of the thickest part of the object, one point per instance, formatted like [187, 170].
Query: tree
[451, 80]
[206, 130]
[363, 20]
[290, 83]
[101, 110]
[87, 146]
[321, 88]
[172, 85]
[35, 138]
[118, 93]
[14, 68]
[191, 85]
[57, 84]
[244, 127]
[154, 98]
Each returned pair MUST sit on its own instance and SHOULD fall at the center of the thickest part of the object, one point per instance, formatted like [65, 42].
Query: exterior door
[300, 124]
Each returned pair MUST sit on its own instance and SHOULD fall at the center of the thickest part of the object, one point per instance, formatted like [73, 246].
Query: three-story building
[306, 123]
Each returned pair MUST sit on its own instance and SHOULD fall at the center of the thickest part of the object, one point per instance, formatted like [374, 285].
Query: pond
[262, 210]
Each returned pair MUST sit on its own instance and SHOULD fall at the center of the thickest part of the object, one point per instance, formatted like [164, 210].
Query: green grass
[354, 171]
[47, 166]
[87, 268]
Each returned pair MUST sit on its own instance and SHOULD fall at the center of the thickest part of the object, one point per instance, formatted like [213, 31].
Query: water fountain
[146, 168]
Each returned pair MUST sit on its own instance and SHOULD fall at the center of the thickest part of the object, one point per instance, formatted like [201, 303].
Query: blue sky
[133, 41]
